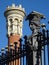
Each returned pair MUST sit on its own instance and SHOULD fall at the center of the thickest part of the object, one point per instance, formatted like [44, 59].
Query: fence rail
[25, 51]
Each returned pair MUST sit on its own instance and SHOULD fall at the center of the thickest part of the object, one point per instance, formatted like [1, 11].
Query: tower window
[10, 20]
[20, 20]
[16, 19]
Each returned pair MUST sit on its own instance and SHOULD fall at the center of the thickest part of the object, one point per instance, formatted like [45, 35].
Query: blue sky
[41, 6]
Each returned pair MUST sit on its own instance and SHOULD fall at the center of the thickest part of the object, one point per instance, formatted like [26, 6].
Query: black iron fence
[25, 51]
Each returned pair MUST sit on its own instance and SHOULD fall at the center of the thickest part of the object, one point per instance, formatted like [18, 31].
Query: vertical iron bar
[13, 56]
[15, 51]
[2, 58]
[44, 45]
[25, 37]
[48, 54]
[23, 60]
[44, 56]
[20, 51]
[41, 57]
[48, 45]
[23, 55]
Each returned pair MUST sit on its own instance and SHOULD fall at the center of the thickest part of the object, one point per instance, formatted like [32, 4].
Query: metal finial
[43, 26]
[2, 50]
[20, 40]
[11, 45]
[6, 48]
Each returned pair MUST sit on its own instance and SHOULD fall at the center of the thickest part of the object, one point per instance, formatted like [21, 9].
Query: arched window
[16, 25]
[10, 20]
[21, 23]
[16, 21]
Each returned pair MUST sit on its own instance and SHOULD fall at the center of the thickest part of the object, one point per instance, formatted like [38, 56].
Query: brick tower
[14, 19]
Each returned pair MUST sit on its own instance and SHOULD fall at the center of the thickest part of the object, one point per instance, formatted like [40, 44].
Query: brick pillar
[11, 40]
